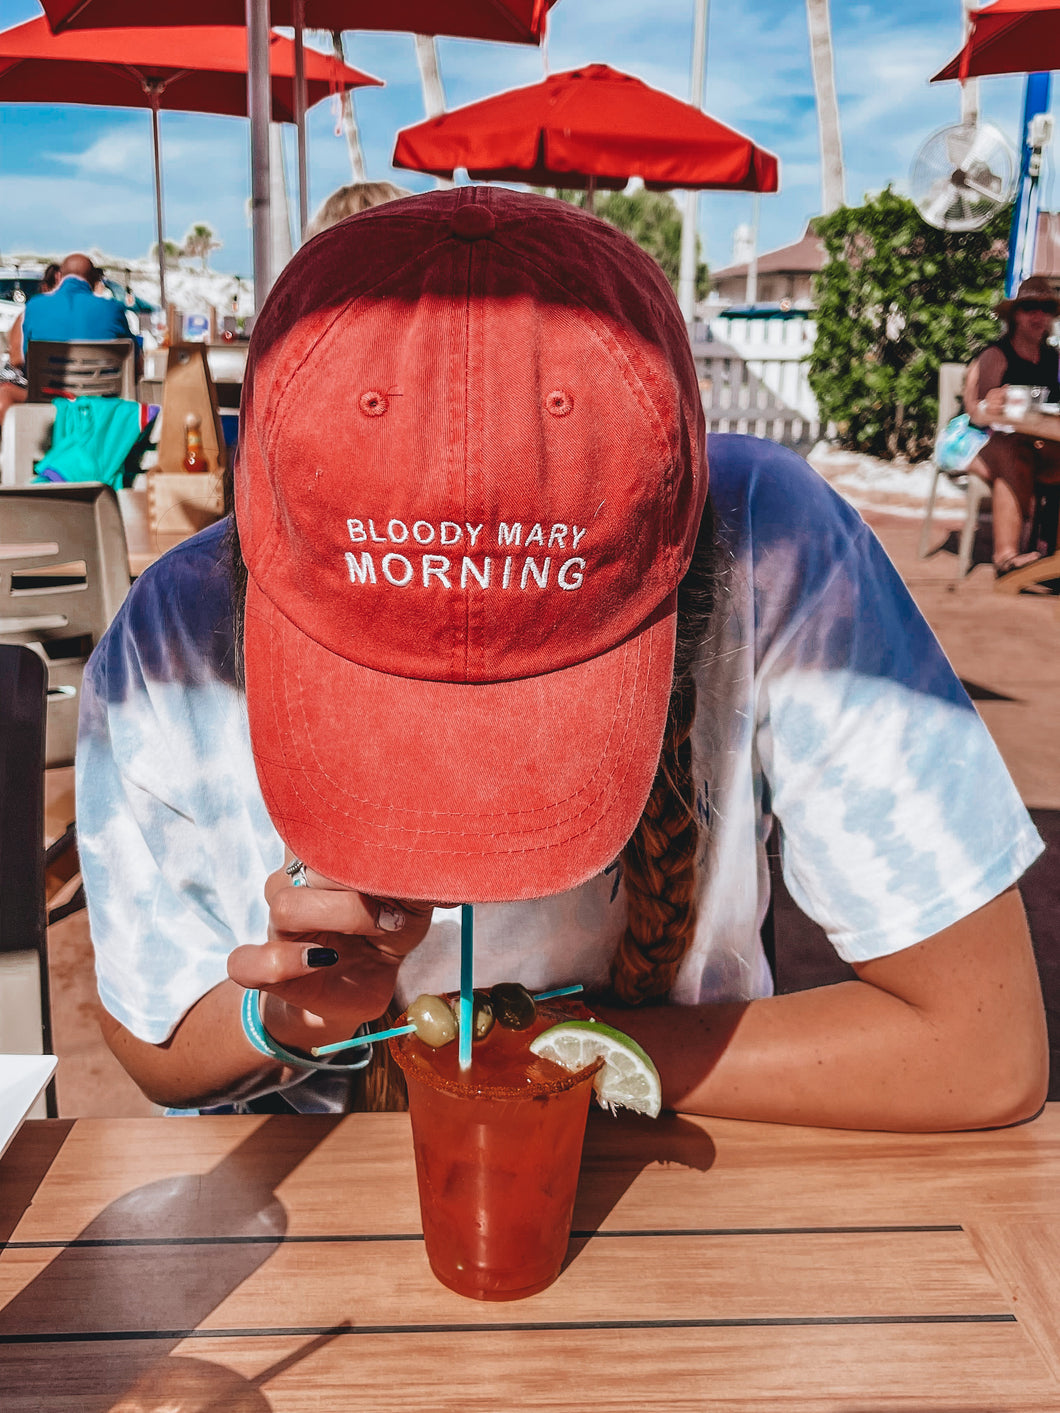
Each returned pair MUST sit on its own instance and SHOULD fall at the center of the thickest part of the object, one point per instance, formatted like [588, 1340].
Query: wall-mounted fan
[963, 175]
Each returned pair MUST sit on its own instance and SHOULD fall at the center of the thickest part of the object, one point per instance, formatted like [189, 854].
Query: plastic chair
[64, 571]
[25, 1015]
[27, 436]
[81, 368]
[951, 385]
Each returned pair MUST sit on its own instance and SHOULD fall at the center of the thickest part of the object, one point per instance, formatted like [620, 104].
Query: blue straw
[559, 991]
[467, 1002]
[362, 1040]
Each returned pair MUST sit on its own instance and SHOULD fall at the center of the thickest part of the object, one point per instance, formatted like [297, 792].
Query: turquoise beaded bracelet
[262, 1041]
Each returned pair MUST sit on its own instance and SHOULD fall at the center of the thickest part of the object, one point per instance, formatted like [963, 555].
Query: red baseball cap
[470, 477]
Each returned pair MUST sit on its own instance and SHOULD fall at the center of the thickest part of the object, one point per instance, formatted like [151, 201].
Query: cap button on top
[472, 222]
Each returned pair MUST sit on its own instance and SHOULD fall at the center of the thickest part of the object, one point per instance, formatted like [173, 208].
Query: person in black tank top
[1011, 463]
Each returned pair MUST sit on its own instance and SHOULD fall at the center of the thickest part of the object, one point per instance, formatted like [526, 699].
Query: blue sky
[78, 177]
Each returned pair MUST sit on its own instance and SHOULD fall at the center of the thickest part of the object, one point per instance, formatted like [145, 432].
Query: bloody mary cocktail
[498, 1149]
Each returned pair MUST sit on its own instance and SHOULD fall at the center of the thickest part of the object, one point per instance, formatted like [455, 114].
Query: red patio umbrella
[587, 128]
[185, 70]
[1008, 37]
[518, 21]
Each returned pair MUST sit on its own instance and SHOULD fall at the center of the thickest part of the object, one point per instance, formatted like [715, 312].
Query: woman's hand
[331, 959]
[991, 408]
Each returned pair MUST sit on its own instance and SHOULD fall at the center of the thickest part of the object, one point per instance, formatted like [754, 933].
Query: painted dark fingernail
[321, 956]
[391, 919]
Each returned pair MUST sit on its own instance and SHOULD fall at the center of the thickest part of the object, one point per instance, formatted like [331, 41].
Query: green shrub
[897, 298]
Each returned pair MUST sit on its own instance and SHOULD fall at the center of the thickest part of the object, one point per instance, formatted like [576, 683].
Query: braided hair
[659, 861]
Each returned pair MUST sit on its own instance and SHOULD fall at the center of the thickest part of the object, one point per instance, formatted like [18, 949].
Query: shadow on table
[22, 1175]
[95, 1330]
[805, 957]
[617, 1149]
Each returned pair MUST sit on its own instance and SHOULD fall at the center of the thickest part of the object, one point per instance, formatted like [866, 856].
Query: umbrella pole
[590, 195]
[686, 282]
[259, 108]
[157, 144]
[299, 116]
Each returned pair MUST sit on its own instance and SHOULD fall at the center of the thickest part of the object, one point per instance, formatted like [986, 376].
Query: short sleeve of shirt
[897, 814]
[174, 838]
[119, 321]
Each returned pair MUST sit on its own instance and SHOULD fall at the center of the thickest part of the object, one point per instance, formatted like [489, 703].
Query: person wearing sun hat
[1014, 464]
[496, 623]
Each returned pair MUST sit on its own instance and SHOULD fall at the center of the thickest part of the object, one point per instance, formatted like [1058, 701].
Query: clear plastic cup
[1017, 401]
[498, 1151]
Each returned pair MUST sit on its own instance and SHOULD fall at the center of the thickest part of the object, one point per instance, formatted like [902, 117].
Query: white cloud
[116, 152]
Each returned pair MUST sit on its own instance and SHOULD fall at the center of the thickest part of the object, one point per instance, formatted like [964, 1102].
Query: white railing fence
[753, 377]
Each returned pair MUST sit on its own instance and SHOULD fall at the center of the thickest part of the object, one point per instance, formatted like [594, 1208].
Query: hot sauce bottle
[194, 457]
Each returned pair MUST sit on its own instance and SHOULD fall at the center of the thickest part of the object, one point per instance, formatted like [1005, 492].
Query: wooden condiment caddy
[178, 503]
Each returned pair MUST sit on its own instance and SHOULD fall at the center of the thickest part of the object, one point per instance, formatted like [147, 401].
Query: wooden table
[244, 1265]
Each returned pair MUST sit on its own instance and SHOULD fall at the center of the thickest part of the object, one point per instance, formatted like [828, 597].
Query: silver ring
[295, 871]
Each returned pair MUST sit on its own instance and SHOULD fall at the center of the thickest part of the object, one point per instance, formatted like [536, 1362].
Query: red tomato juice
[498, 1149]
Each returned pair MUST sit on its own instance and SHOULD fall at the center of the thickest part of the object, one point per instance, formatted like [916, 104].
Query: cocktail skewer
[396, 1030]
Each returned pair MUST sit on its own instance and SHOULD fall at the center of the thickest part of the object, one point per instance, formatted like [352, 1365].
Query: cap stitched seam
[597, 781]
[464, 405]
[618, 723]
[277, 419]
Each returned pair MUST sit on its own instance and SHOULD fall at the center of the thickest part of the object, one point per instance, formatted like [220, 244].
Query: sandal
[1012, 562]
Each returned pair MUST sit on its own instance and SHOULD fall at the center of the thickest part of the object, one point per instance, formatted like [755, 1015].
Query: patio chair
[25, 1015]
[951, 384]
[27, 436]
[64, 571]
[81, 368]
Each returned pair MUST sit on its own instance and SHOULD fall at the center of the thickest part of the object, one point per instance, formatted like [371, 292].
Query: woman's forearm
[207, 1060]
[949, 1034]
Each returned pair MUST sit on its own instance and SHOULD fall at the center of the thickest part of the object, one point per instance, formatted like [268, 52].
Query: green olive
[434, 1021]
[513, 1006]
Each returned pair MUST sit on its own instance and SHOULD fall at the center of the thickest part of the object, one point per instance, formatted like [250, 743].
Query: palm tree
[170, 249]
[820, 27]
[200, 240]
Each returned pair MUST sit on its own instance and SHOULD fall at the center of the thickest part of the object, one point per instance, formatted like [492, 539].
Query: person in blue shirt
[72, 311]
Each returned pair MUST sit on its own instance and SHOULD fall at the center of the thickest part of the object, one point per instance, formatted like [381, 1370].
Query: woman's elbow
[1007, 1084]
[1022, 1087]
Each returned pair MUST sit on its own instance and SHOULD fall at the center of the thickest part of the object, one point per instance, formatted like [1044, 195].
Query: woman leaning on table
[495, 643]
[1011, 463]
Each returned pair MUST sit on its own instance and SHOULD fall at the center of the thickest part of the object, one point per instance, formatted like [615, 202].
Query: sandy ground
[895, 487]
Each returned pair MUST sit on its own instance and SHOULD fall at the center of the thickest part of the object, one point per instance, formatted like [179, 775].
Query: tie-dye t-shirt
[824, 702]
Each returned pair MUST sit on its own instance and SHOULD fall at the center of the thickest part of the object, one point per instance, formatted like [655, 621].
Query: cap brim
[467, 793]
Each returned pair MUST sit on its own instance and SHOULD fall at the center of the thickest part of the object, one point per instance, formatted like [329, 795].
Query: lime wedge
[628, 1079]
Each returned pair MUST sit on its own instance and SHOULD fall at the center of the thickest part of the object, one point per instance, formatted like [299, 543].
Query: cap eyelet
[374, 404]
[559, 404]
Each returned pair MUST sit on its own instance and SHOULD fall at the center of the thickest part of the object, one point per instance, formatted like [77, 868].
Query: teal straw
[362, 1040]
[465, 1028]
[467, 1001]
